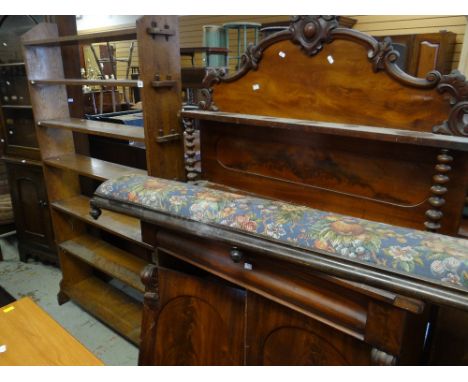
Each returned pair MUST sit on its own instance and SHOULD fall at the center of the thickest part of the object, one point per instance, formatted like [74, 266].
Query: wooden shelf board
[92, 167]
[8, 64]
[120, 225]
[17, 107]
[331, 128]
[104, 129]
[107, 258]
[203, 49]
[108, 304]
[81, 82]
[17, 160]
[107, 36]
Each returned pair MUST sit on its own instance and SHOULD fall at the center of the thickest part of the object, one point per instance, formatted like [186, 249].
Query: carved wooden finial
[149, 275]
[95, 212]
[149, 278]
[312, 32]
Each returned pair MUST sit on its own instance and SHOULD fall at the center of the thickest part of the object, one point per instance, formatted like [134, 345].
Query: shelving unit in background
[94, 253]
[19, 146]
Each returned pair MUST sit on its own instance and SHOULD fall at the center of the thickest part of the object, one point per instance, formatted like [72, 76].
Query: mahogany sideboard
[318, 116]
[243, 280]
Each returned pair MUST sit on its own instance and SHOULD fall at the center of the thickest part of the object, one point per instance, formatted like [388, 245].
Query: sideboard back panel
[336, 85]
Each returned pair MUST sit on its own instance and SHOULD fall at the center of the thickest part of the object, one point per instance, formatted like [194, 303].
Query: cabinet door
[19, 128]
[449, 346]
[200, 322]
[29, 198]
[277, 336]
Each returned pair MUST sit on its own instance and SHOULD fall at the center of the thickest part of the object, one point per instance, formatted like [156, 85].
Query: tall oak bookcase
[101, 260]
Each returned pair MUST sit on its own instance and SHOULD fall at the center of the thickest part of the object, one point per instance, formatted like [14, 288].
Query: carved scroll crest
[384, 53]
[456, 87]
[249, 61]
[206, 101]
[312, 32]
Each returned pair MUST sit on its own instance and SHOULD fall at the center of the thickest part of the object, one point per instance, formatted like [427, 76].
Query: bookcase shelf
[107, 258]
[81, 82]
[108, 304]
[92, 167]
[106, 36]
[17, 106]
[89, 256]
[117, 224]
[104, 129]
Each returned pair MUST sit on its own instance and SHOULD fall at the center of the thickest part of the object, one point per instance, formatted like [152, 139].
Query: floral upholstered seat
[422, 254]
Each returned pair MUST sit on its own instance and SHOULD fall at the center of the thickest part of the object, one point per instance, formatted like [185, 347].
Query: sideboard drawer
[279, 281]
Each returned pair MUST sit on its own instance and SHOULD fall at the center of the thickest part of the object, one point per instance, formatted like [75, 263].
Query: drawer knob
[236, 254]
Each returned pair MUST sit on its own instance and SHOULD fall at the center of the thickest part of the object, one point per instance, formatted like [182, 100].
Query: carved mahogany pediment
[395, 99]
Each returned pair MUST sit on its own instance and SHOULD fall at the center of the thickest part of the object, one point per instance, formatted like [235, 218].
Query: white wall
[92, 22]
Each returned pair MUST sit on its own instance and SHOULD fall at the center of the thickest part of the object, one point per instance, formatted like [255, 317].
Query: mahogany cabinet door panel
[449, 345]
[30, 205]
[279, 336]
[200, 322]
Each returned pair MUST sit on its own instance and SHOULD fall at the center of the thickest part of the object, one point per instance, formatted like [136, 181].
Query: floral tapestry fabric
[422, 254]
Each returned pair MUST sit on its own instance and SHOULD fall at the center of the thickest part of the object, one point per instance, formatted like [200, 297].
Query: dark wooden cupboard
[16, 116]
[205, 306]
[18, 133]
[20, 146]
[31, 209]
